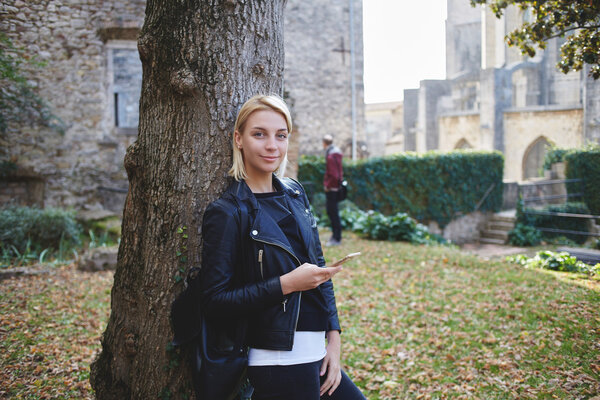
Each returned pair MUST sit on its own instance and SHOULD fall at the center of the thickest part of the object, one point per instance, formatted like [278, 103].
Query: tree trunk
[201, 60]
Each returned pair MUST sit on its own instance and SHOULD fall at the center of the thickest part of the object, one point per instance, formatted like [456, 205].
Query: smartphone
[343, 260]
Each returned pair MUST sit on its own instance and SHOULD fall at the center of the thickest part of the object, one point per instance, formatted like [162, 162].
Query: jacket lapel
[264, 228]
[298, 209]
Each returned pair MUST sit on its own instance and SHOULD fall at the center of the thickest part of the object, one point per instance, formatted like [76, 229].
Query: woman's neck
[260, 185]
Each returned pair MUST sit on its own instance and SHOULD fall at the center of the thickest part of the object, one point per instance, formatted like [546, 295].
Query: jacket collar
[332, 149]
[241, 190]
[264, 228]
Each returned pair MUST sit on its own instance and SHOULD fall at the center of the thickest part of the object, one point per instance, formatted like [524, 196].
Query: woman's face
[263, 142]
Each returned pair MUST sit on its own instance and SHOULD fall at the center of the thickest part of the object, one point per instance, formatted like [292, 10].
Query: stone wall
[382, 122]
[562, 127]
[66, 36]
[464, 229]
[89, 49]
[454, 128]
[463, 38]
[22, 187]
[410, 119]
[317, 72]
[430, 94]
[591, 101]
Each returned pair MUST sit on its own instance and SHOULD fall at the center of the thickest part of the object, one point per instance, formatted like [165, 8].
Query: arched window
[533, 160]
[463, 144]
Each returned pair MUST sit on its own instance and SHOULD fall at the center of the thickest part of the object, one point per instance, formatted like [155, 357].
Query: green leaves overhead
[578, 21]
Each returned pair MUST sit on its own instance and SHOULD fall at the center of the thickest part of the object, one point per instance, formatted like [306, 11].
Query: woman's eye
[258, 134]
[283, 135]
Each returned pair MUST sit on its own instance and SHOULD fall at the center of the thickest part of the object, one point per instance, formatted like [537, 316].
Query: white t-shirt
[308, 347]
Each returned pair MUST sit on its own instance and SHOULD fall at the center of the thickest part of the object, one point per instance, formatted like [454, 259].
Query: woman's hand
[331, 363]
[306, 277]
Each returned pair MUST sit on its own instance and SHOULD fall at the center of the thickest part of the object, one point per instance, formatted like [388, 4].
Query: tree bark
[201, 60]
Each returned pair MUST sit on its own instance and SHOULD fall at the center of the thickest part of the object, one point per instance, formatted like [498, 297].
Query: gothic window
[533, 161]
[125, 82]
[463, 144]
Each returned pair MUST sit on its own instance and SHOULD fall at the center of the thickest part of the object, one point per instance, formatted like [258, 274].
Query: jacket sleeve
[221, 257]
[333, 322]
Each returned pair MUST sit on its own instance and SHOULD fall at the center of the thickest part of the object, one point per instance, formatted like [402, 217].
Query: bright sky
[404, 43]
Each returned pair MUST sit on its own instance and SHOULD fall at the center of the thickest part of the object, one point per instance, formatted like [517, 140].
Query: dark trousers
[334, 215]
[297, 382]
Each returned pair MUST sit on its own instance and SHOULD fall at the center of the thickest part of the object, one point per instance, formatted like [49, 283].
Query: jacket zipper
[283, 303]
[298, 314]
[260, 262]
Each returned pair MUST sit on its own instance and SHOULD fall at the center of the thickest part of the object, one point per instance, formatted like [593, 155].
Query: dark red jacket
[333, 168]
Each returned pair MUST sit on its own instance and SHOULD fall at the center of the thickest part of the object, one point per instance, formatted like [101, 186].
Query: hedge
[585, 164]
[432, 186]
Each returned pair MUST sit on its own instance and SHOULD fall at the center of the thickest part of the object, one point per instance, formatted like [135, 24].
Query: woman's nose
[271, 143]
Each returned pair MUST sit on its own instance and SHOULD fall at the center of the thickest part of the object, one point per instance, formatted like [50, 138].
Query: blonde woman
[273, 276]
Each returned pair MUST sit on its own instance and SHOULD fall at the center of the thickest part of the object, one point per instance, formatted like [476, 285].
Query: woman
[274, 275]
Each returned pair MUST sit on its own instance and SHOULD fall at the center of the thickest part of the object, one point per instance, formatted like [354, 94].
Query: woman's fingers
[330, 365]
[306, 277]
[336, 383]
[332, 382]
[330, 271]
[324, 366]
[326, 385]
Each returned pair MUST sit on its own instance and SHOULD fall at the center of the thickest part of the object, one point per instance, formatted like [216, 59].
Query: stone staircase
[497, 228]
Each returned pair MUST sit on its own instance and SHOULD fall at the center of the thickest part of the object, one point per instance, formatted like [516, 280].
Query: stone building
[92, 78]
[317, 75]
[383, 128]
[494, 98]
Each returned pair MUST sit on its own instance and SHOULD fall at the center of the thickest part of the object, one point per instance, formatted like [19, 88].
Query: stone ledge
[25, 271]
[588, 256]
[99, 259]
[118, 33]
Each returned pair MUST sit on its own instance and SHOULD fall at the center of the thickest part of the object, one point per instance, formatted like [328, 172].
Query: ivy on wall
[432, 186]
[584, 164]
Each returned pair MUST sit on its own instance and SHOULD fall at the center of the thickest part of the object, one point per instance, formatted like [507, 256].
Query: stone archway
[463, 144]
[533, 160]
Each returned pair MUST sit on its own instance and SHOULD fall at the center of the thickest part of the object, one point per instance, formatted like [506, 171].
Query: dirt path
[488, 251]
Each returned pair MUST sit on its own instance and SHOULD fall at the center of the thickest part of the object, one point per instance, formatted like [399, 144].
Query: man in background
[331, 183]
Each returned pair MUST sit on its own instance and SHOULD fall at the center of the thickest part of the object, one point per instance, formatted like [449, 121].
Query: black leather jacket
[241, 270]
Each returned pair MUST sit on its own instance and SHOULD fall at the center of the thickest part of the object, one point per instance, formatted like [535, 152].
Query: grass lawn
[419, 323]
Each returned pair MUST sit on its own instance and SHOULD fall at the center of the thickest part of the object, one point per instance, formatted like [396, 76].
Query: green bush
[585, 164]
[27, 231]
[397, 227]
[524, 235]
[562, 261]
[554, 155]
[431, 186]
[103, 232]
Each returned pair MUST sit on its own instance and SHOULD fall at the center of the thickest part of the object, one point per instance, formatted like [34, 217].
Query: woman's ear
[238, 139]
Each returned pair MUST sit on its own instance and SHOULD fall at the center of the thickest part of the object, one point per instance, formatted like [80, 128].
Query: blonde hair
[257, 103]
